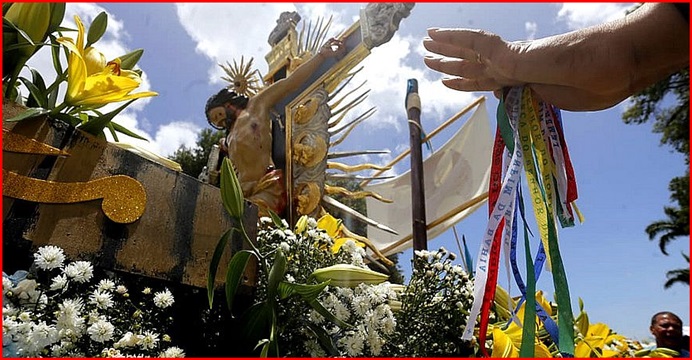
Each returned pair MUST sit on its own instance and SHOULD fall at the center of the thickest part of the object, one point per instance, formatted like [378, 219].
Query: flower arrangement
[59, 309]
[91, 81]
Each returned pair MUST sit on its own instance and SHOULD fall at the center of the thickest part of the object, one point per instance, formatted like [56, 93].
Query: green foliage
[679, 275]
[193, 160]
[673, 123]
[27, 29]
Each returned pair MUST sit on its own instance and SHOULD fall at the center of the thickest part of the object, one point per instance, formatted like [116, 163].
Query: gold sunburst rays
[242, 78]
[311, 37]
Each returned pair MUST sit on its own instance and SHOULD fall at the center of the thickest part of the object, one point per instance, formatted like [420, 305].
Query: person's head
[221, 108]
[667, 329]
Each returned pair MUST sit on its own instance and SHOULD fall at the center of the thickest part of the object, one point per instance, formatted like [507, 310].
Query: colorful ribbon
[531, 132]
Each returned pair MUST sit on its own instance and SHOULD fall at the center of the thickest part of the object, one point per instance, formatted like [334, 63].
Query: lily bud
[95, 61]
[346, 275]
[231, 192]
[33, 18]
[302, 224]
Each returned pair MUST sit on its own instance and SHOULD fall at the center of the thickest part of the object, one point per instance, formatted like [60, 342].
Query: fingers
[463, 43]
[450, 66]
[465, 84]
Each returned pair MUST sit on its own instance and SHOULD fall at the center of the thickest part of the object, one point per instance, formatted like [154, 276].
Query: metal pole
[413, 109]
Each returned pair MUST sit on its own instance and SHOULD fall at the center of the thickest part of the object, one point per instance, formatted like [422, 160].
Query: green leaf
[57, 13]
[231, 192]
[307, 292]
[72, 120]
[214, 264]
[97, 28]
[111, 129]
[323, 338]
[55, 53]
[96, 125]
[38, 97]
[28, 113]
[129, 60]
[234, 274]
[256, 322]
[329, 316]
[276, 275]
[277, 220]
[121, 129]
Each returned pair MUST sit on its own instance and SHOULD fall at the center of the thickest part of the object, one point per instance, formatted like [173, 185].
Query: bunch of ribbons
[529, 137]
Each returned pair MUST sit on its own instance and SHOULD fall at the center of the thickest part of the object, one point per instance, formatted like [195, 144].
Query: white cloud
[224, 32]
[580, 15]
[531, 29]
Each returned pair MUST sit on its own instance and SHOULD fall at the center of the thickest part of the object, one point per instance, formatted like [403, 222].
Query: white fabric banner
[455, 174]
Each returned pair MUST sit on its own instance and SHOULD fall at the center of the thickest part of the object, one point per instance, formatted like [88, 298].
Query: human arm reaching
[589, 69]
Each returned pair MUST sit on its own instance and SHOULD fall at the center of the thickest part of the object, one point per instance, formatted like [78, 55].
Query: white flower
[59, 282]
[149, 340]
[163, 299]
[43, 335]
[172, 352]
[6, 285]
[146, 291]
[312, 222]
[9, 310]
[439, 266]
[314, 348]
[128, 340]
[121, 289]
[352, 343]
[24, 316]
[265, 220]
[101, 331]
[49, 257]
[101, 299]
[80, 271]
[111, 353]
[106, 285]
[284, 247]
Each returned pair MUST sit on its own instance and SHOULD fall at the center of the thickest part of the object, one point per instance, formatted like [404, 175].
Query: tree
[678, 275]
[192, 160]
[673, 123]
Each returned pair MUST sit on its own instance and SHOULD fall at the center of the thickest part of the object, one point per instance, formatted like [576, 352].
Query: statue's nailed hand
[333, 48]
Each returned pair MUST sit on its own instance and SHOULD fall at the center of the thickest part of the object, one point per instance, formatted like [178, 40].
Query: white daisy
[163, 299]
[106, 285]
[59, 282]
[49, 257]
[80, 271]
[101, 299]
[149, 340]
[101, 331]
[121, 289]
[172, 352]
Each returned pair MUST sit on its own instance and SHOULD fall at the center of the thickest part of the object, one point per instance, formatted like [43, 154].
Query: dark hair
[653, 318]
[223, 97]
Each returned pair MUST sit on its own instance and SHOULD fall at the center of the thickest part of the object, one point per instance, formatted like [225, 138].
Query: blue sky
[622, 171]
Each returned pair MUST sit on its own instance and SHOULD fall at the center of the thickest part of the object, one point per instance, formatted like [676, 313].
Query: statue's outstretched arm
[276, 91]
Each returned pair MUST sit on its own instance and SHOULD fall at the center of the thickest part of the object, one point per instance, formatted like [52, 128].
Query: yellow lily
[506, 343]
[334, 228]
[92, 84]
[598, 336]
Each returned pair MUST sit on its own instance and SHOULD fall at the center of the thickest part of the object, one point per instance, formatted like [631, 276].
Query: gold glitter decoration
[123, 197]
[13, 142]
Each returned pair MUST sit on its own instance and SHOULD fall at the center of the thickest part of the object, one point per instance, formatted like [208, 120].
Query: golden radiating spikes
[243, 80]
[353, 103]
[341, 99]
[344, 83]
[358, 120]
[354, 168]
[331, 190]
